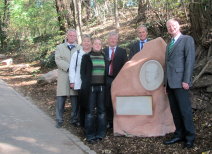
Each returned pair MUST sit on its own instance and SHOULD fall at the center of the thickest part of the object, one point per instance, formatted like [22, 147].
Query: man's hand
[185, 85]
[72, 85]
[165, 91]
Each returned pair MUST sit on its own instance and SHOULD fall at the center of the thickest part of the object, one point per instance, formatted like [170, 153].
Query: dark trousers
[82, 110]
[60, 104]
[182, 113]
[109, 106]
[95, 126]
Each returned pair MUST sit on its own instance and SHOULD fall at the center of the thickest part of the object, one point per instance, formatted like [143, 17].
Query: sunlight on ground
[7, 148]
[20, 76]
[26, 83]
[26, 139]
[36, 143]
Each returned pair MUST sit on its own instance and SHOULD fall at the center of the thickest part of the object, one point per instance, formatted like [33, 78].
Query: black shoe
[76, 124]
[91, 141]
[173, 140]
[59, 124]
[99, 139]
[188, 144]
[109, 126]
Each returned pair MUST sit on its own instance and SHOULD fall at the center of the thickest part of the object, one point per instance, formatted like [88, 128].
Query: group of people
[86, 72]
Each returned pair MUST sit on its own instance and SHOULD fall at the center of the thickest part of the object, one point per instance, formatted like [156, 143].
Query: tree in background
[4, 22]
[116, 14]
[78, 18]
[201, 29]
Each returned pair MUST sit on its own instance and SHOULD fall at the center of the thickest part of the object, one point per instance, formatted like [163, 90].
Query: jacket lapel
[107, 53]
[175, 45]
[138, 45]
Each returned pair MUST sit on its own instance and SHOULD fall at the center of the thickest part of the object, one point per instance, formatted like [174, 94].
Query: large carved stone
[128, 84]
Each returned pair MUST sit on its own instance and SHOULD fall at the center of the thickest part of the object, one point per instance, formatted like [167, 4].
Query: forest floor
[24, 80]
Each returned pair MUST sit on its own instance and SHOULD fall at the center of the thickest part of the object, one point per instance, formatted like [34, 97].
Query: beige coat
[62, 59]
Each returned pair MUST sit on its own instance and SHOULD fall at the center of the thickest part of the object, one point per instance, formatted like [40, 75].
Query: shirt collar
[113, 47]
[70, 44]
[143, 41]
[176, 37]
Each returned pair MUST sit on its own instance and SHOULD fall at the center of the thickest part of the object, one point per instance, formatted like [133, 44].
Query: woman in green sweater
[93, 90]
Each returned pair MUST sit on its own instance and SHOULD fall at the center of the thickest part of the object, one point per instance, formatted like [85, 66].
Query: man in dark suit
[115, 59]
[138, 45]
[180, 59]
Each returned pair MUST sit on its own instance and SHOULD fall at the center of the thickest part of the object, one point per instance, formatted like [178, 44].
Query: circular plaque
[151, 75]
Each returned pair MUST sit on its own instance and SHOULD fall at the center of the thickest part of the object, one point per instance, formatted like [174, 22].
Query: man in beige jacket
[63, 55]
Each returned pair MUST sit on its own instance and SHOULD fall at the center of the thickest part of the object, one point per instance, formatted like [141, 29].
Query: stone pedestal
[128, 84]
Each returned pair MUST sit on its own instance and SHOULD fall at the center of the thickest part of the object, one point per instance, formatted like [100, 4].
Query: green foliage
[47, 49]
[33, 30]
[33, 19]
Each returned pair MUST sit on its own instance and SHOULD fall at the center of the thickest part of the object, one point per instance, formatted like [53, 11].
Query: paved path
[25, 129]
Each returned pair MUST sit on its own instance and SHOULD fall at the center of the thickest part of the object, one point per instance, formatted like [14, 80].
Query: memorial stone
[139, 79]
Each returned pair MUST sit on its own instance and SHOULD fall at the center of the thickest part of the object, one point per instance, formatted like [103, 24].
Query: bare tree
[201, 22]
[116, 14]
[88, 9]
[143, 6]
[64, 12]
[4, 22]
[77, 18]
[201, 30]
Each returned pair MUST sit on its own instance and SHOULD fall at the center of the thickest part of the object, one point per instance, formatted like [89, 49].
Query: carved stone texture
[151, 75]
[127, 84]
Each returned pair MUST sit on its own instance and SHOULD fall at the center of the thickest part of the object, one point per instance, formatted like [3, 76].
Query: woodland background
[31, 29]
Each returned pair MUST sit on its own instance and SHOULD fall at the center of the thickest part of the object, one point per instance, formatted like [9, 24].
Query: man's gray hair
[71, 30]
[112, 34]
[173, 20]
[142, 26]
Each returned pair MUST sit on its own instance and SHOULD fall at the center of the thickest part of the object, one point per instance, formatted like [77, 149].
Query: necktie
[171, 44]
[141, 44]
[111, 62]
[71, 46]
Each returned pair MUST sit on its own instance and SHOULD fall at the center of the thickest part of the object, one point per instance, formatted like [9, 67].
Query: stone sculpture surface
[128, 84]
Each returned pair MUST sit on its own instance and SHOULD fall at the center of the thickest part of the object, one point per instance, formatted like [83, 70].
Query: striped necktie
[111, 63]
[171, 44]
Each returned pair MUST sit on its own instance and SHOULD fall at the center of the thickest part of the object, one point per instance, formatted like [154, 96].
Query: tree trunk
[4, 22]
[88, 9]
[77, 20]
[201, 30]
[63, 8]
[79, 4]
[201, 23]
[116, 14]
[60, 18]
[142, 10]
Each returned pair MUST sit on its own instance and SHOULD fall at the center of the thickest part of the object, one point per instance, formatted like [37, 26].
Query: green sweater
[98, 70]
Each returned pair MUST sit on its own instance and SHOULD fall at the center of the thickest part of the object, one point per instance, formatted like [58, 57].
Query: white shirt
[144, 41]
[176, 37]
[110, 51]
